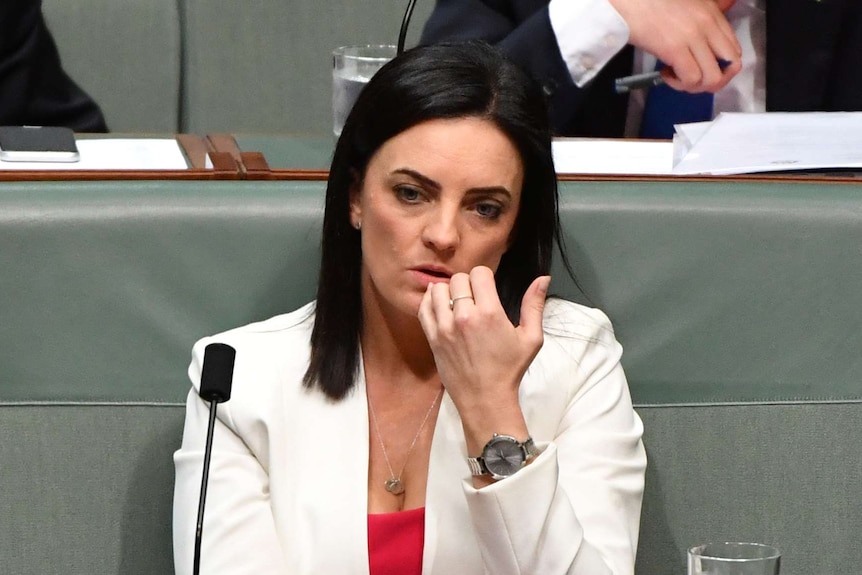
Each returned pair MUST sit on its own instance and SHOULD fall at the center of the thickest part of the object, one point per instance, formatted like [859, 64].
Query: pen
[637, 82]
[648, 80]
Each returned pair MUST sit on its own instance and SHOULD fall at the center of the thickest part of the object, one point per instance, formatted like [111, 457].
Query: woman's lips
[426, 275]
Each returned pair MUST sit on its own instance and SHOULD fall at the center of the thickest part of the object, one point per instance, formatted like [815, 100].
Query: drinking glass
[733, 559]
[352, 67]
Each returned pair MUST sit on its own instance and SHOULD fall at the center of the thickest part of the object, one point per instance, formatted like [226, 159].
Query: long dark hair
[469, 79]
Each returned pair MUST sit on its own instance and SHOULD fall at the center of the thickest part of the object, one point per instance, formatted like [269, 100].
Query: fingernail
[544, 283]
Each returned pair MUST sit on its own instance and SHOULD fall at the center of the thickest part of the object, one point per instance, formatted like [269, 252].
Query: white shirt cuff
[589, 33]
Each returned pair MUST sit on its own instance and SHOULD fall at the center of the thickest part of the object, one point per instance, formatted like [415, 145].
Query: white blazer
[289, 477]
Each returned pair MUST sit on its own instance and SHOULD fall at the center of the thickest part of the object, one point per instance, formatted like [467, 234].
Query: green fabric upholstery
[783, 474]
[87, 489]
[291, 153]
[110, 284]
[725, 292]
[736, 303]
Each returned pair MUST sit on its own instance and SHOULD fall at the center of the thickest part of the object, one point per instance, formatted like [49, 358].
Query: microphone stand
[204, 481]
[402, 35]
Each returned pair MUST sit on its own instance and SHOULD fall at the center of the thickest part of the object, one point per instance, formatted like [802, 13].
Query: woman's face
[439, 198]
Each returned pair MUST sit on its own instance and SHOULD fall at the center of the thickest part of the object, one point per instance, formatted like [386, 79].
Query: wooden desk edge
[195, 149]
[323, 175]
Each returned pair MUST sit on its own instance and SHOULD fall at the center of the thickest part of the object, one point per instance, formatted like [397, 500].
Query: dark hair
[469, 79]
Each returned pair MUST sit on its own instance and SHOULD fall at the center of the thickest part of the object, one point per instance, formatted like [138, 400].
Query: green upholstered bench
[737, 305]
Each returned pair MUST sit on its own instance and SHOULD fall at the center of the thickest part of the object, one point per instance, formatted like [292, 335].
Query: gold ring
[456, 298]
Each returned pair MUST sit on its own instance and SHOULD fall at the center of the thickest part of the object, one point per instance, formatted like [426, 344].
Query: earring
[358, 225]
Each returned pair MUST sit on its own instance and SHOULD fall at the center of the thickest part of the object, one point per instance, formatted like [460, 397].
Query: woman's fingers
[460, 292]
[533, 308]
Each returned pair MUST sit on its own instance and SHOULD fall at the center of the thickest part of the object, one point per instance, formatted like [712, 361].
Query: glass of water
[734, 559]
[352, 67]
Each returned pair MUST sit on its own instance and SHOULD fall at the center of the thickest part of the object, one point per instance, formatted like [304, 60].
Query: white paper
[592, 156]
[736, 143]
[116, 154]
[690, 133]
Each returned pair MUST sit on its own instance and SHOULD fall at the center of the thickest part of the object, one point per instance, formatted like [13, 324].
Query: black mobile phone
[37, 144]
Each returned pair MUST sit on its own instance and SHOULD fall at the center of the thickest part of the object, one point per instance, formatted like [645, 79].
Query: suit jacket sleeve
[576, 508]
[239, 535]
[529, 42]
[522, 30]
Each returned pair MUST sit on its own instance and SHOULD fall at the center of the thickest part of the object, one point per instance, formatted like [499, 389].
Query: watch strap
[530, 448]
[477, 466]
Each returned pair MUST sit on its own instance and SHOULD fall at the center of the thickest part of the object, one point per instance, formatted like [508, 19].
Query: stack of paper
[116, 154]
[737, 143]
[592, 156]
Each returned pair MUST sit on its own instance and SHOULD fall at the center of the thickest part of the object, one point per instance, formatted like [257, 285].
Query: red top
[396, 541]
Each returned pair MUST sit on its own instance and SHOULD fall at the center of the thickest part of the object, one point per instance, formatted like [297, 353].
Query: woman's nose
[441, 229]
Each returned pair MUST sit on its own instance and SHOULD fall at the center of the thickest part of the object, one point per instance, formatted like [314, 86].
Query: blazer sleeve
[529, 42]
[576, 508]
[239, 535]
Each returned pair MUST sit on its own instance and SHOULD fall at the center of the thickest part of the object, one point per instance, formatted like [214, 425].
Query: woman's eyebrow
[433, 184]
[425, 180]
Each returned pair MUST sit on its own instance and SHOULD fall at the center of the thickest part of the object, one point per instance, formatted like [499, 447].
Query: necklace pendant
[394, 486]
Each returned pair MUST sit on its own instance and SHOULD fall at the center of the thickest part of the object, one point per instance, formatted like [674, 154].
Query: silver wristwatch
[502, 456]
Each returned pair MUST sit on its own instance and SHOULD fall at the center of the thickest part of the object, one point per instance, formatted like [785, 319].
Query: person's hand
[689, 36]
[480, 356]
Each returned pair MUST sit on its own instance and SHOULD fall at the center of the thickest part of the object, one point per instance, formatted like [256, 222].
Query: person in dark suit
[814, 55]
[813, 51]
[688, 35]
[34, 88]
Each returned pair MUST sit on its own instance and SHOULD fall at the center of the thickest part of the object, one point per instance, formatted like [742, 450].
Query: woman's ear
[355, 193]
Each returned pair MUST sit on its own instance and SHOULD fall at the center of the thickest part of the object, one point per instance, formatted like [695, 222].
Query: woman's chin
[404, 305]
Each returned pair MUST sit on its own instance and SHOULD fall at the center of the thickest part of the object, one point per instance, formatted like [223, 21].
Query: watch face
[503, 456]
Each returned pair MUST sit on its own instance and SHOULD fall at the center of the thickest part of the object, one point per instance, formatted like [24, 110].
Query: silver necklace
[393, 485]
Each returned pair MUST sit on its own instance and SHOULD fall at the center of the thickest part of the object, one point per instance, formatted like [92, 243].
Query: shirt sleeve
[575, 509]
[589, 33]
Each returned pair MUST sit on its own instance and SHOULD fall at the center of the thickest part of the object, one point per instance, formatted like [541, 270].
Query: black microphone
[216, 379]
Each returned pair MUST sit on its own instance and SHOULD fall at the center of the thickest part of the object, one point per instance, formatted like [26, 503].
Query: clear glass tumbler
[734, 559]
[352, 67]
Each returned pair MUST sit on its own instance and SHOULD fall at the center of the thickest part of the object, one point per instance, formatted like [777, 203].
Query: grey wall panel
[126, 54]
[265, 66]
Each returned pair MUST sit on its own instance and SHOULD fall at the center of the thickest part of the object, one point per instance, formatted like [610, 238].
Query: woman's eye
[490, 211]
[408, 193]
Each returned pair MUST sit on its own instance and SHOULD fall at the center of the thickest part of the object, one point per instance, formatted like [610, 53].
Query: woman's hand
[480, 356]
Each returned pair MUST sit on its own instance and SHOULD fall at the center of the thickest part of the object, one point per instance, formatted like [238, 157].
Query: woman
[430, 354]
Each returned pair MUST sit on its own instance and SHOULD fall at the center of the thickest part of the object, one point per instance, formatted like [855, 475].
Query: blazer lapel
[331, 499]
[447, 520]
